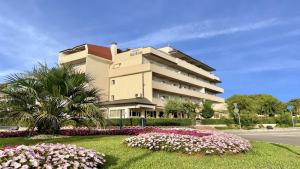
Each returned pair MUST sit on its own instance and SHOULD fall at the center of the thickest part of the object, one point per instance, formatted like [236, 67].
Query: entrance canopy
[138, 102]
[126, 108]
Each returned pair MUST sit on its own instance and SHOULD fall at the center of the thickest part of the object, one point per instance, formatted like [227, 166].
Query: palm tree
[46, 98]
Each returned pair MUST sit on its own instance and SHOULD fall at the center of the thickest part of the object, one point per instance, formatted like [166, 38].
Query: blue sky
[254, 45]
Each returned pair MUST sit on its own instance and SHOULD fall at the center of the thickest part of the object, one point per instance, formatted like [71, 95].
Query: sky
[253, 45]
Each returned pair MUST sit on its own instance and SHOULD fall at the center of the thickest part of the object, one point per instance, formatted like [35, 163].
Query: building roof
[138, 100]
[100, 51]
[178, 54]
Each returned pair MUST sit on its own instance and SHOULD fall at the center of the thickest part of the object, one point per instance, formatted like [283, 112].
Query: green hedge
[265, 120]
[217, 121]
[151, 122]
[169, 122]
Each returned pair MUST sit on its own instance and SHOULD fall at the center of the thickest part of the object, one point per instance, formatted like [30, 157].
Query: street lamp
[236, 111]
[290, 108]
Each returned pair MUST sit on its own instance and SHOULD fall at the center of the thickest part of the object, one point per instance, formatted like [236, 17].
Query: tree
[245, 104]
[190, 109]
[262, 104]
[265, 104]
[46, 97]
[296, 104]
[207, 111]
[173, 106]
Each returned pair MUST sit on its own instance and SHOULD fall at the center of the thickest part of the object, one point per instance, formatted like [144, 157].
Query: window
[113, 82]
[117, 113]
[135, 114]
[112, 97]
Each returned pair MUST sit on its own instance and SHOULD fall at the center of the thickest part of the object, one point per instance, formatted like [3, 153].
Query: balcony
[181, 91]
[181, 63]
[184, 78]
[66, 58]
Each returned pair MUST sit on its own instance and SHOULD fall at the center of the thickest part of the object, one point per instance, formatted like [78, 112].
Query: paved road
[283, 136]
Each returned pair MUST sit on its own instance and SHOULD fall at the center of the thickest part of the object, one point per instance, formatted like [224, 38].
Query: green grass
[262, 156]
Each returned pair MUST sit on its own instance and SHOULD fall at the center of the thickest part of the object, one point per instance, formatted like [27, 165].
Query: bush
[151, 122]
[87, 132]
[125, 122]
[169, 122]
[248, 120]
[50, 156]
[217, 121]
[284, 120]
[267, 120]
[5, 134]
[260, 126]
[207, 112]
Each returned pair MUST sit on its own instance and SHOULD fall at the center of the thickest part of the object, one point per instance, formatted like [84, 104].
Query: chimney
[113, 50]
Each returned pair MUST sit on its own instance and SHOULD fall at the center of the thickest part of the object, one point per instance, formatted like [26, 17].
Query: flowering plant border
[48, 156]
[214, 143]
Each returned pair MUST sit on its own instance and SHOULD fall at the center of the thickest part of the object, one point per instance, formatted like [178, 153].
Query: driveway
[281, 136]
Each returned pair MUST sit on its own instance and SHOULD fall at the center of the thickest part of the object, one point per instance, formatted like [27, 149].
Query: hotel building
[138, 82]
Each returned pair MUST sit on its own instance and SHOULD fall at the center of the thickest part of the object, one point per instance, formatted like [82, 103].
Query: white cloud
[258, 41]
[24, 45]
[265, 65]
[206, 29]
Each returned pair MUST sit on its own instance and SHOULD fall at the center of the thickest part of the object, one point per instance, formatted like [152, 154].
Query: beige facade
[138, 82]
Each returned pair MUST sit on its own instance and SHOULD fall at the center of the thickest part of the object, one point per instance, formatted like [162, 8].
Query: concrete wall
[130, 86]
[126, 59]
[80, 67]
[98, 69]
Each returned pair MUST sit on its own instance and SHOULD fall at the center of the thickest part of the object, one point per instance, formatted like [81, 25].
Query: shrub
[169, 122]
[4, 134]
[284, 120]
[207, 112]
[50, 156]
[151, 122]
[261, 126]
[248, 120]
[87, 132]
[233, 126]
[266, 120]
[217, 121]
[216, 143]
[125, 122]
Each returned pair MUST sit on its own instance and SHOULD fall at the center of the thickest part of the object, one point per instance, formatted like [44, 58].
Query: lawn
[263, 155]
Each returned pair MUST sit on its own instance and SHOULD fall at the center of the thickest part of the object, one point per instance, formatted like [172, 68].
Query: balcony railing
[183, 91]
[184, 78]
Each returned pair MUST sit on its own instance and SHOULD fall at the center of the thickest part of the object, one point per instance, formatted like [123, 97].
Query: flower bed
[50, 156]
[4, 134]
[215, 143]
[82, 132]
[125, 131]
[7, 147]
[86, 132]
